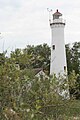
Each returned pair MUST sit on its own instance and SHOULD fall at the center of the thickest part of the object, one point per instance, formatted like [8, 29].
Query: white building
[58, 54]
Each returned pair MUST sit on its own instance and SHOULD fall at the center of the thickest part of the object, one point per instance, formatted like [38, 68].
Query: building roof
[57, 13]
[37, 70]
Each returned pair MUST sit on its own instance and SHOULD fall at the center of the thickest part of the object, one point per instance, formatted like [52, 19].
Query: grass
[68, 111]
[71, 111]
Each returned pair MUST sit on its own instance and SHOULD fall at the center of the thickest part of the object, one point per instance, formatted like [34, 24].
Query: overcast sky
[24, 22]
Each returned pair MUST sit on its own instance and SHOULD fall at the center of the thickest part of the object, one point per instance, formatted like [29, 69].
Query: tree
[73, 57]
[3, 57]
[25, 96]
[40, 56]
[76, 57]
[73, 65]
[32, 57]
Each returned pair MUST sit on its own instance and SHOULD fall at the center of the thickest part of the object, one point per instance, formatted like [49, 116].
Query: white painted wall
[58, 56]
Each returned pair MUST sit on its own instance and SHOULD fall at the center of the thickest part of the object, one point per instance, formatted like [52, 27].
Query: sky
[26, 22]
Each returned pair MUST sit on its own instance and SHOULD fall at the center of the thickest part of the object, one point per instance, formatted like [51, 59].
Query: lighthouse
[58, 63]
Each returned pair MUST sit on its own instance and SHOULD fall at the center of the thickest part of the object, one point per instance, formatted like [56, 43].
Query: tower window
[53, 47]
[64, 68]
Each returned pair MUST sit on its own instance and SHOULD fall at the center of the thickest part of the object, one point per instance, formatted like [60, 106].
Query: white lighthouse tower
[58, 54]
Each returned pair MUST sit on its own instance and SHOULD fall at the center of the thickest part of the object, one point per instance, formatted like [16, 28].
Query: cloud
[26, 21]
[10, 3]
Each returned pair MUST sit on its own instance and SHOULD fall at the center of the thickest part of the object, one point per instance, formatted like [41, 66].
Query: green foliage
[33, 57]
[39, 57]
[73, 64]
[73, 57]
[23, 96]
[2, 58]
